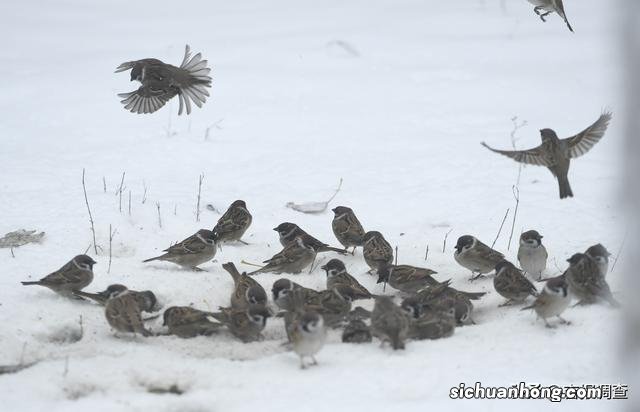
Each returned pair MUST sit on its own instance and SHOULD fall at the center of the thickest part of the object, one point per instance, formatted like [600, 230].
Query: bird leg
[315, 362]
[542, 16]
[476, 277]
[563, 321]
[197, 269]
[548, 325]
[243, 242]
[302, 365]
[507, 303]
[537, 10]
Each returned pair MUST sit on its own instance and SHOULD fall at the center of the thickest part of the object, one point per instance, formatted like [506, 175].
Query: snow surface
[392, 96]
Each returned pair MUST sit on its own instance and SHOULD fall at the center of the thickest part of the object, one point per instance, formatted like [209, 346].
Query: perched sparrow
[356, 331]
[427, 322]
[532, 254]
[187, 322]
[556, 154]
[75, 275]
[376, 250]
[585, 281]
[191, 252]
[247, 291]
[476, 256]
[233, 223]
[337, 275]
[389, 322]
[146, 299]
[601, 256]
[161, 82]
[548, 7]
[347, 228]
[282, 289]
[405, 278]
[443, 297]
[512, 284]
[288, 233]
[335, 304]
[552, 301]
[292, 259]
[245, 324]
[308, 336]
[124, 314]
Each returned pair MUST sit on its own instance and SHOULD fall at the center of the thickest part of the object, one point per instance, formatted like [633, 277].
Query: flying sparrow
[585, 281]
[428, 322]
[405, 278]
[308, 336]
[247, 291]
[75, 275]
[191, 252]
[443, 297]
[552, 301]
[532, 254]
[556, 154]
[292, 259]
[124, 314]
[376, 250]
[288, 233]
[389, 322]
[347, 228]
[476, 256]
[356, 331]
[601, 256]
[548, 7]
[337, 275]
[245, 324]
[161, 82]
[511, 284]
[233, 223]
[187, 322]
[146, 299]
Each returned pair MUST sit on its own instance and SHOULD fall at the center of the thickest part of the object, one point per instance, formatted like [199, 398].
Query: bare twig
[175, 209]
[159, 216]
[516, 127]
[615, 260]
[104, 184]
[516, 196]
[244, 262]
[81, 323]
[66, 367]
[500, 230]
[426, 254]
[200, 179]
[208, 129]
[144, 194]
[13, 255]
[119, 192]
[396, 256]
[129, 202]
[93, 229]
[444, 243]
[111, 235]
[87, 249]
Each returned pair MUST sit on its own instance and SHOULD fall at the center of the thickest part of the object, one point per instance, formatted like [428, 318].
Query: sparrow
[376, 250]
[511, 284]
[347, 228]
[233, 223]
[389, 322]
[556, 154]
[552, 301]
[405, 278]
[337, 275]
[335, 304]
[476, 256]
[282, 289]
[288, 233]
[308, 336]
[124, 314]
[161, 82]
[585, 281]
[292, 259]
[442, 297]
[245, 324]
[247, 291]
[75, 275]
[548, 7]
[356, 331]
[147, 300]
[191, 252]
[427, 322]
[601, 256]
[187, 322]
[532, 254]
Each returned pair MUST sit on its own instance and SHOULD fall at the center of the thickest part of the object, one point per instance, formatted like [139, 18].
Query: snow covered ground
[392, 96]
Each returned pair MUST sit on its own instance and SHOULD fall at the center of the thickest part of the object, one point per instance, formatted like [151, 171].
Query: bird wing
[190, 246]
[535, 156]
[231, 221]
[586, 139]
[148, 98]
[69, 273]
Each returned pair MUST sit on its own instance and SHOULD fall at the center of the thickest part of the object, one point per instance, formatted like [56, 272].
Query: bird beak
[380, 280]
[323, 267]
[275, 228]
